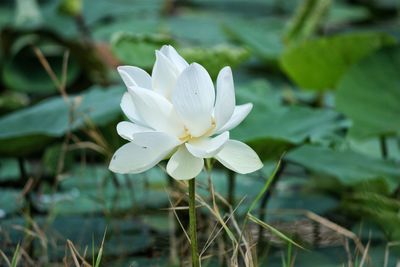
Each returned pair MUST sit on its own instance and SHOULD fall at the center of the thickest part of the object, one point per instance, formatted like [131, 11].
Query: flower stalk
[192, 223]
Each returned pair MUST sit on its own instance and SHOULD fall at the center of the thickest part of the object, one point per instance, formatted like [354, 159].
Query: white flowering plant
[176, 114]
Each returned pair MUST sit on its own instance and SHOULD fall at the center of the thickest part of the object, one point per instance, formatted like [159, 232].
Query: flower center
[187, 135]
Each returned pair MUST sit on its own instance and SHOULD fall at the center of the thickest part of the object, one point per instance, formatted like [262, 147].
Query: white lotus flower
[176, 112]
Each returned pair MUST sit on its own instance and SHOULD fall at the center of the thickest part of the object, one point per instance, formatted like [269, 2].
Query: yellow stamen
[187, 136]
[213, 125]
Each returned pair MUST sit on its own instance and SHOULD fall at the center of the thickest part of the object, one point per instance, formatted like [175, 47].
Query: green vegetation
[324, 80]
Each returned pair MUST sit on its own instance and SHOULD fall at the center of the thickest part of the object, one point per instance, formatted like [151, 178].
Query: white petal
[193, 99]
[141, 155]
[134, 76]
[127, 129]
[154, 139]
[239, 157]
[225, 102]
[183, 165]
[156, 111]
[179, 62]
[207, 147]
[164, 75]
[128, 107]
[239, 114]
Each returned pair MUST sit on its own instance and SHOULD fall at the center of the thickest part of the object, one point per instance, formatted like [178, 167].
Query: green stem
[231, 187]
[192, 223]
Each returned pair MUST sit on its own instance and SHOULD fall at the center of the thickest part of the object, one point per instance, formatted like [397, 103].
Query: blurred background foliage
[324, 80]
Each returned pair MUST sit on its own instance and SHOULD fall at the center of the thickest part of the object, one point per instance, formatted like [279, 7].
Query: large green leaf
[253, 7]
[294, 124]
[29, 129]
[128, 24]
[347, 166]
[24, 72]
[102, 17]
[272, 128]
[369, 94]
[27, 13]
[200, 28]
[100, 10]
[273, 133]
[216, 57]
[137, 50]
[318, 64]
[54, 19]
[263, 37]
